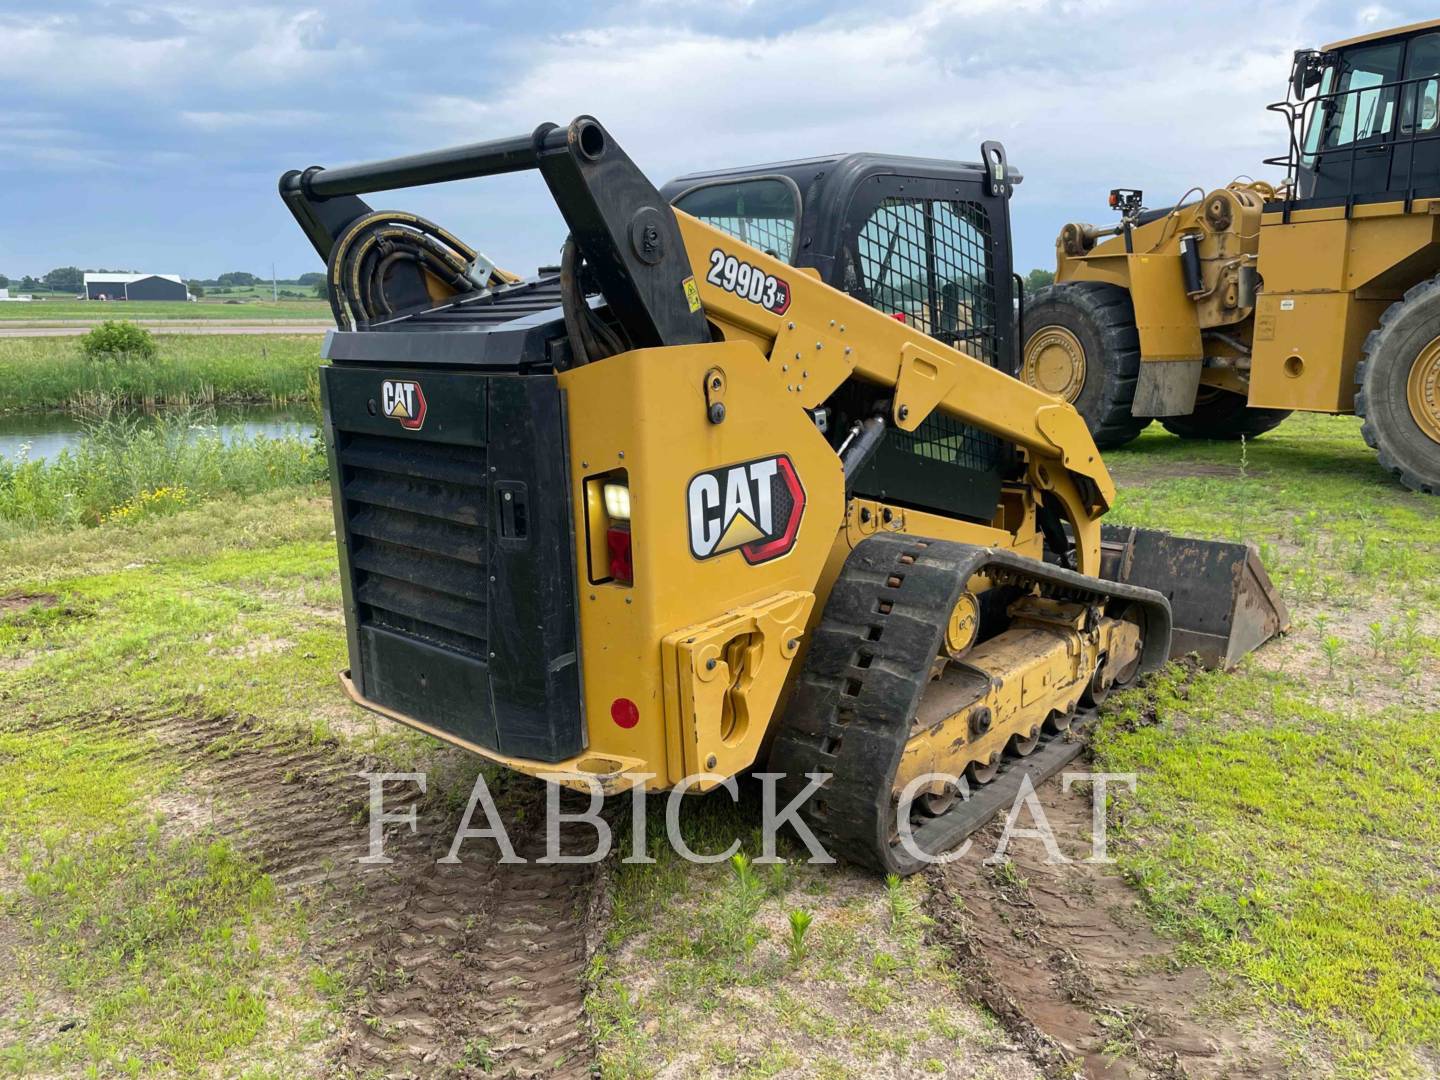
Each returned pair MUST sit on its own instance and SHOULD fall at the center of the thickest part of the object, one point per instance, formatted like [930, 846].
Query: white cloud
[1078, 110]
[168, 49]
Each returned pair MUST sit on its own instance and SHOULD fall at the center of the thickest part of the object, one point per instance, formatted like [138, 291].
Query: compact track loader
[1223, 314]
[740, 480]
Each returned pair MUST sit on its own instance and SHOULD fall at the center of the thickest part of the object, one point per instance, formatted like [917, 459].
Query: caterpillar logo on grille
[753, 507]
[403, 400]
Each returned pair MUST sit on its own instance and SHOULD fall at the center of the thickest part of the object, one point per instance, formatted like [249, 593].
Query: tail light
[622, 563]
[607, 524]
[617, 530]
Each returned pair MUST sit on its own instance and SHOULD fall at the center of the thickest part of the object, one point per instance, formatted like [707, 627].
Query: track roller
[869, 711]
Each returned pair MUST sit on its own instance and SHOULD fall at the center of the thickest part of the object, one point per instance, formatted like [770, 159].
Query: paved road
[10, 330]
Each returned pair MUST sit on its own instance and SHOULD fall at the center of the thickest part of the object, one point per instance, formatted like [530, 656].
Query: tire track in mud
[1066, 958]
[475, 968]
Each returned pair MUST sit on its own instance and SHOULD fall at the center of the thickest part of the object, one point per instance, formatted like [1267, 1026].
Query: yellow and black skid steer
[743, 478]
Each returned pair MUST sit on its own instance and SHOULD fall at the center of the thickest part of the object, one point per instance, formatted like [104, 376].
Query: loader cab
[1365, 118]
[925, 241]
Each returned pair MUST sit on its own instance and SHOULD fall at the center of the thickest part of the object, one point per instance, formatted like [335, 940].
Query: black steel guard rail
[492, 158]
[625, 231]
[1301, 115]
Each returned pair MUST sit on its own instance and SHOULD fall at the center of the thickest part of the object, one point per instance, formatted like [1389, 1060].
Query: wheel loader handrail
[1301, 115]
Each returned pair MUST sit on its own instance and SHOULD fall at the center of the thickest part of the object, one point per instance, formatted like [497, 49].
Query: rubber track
[867, 669]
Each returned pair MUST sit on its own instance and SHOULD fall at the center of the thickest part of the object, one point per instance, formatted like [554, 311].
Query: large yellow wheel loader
[741, 480]
[1223, 314]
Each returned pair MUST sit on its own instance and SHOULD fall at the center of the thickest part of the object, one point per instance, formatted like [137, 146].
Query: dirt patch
[869, 999]
[1064, 955]
[26, 601]
[476, 965]
[1138, 474]
[1373, 651]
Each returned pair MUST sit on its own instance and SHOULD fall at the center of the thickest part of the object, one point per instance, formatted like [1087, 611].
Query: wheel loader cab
[1371, 126]
[1320, 292]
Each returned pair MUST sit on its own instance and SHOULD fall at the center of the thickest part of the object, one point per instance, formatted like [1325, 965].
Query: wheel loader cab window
[1366, 90]
[1419, 95]
[928, 261]
[763, 212]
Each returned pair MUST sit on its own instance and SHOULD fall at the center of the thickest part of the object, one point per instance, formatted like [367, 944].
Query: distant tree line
[233, 281]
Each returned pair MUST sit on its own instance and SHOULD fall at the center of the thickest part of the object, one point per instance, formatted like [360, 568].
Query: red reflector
[622, 564]
[898, 316]
[1114, 199]
[624, 712]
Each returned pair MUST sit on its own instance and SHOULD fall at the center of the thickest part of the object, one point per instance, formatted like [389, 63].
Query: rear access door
[452, 514]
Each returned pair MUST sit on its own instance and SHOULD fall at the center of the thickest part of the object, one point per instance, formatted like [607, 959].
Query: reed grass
[222, 369]
[126, 470]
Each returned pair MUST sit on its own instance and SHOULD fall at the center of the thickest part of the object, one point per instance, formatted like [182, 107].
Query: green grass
[706, 964]
[124, 471]
[255, 304]
[164, 613]
[1328, 520]
[53, 373]
[140, 947]
[160, 935]
[1284, 827]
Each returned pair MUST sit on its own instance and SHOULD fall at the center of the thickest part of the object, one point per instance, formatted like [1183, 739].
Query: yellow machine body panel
[703, 646]
[1327, 278]
[645, 414]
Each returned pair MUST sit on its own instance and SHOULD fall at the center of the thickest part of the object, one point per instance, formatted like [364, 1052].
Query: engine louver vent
[417, 518]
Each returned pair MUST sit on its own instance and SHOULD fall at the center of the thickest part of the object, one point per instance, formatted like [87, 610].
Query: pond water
[47, 433]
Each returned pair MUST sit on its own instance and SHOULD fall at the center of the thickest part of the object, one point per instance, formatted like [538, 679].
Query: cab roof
[852, 167]
[1398, 31]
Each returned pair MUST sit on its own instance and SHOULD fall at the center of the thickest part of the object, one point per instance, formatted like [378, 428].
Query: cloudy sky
[150, 135]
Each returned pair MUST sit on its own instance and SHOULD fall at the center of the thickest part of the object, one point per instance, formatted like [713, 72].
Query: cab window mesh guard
[931, 261]
[943, 438]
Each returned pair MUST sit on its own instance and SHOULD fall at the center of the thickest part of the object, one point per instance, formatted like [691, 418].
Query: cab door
[1352, 140]
[936, 254]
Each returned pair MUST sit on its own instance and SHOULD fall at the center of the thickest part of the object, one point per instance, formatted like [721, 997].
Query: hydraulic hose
[388, 262]
[590, 337]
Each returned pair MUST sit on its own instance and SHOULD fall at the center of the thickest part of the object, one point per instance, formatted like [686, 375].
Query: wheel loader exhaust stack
[1222, 315]
[744, 475]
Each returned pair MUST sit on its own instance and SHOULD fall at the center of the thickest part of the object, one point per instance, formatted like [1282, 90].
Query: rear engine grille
[417, 517]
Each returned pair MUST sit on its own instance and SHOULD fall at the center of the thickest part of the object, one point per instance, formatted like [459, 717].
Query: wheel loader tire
[1221, 414]
[1081, 345]
[1399, 388]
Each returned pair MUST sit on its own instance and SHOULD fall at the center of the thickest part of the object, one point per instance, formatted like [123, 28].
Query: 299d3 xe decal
[403, 400]
[749, 282]
[753, 507]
